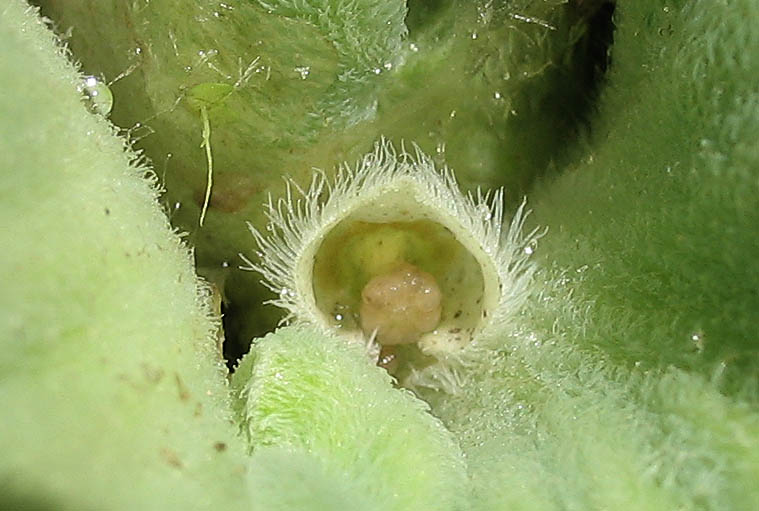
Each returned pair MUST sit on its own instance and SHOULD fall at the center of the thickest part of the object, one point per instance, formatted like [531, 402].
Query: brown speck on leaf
[220, 446]
[107, 211]
[152, 374]
[171, 457]
[184, 394]
[130, 382]
[457, 315]
[198, 410]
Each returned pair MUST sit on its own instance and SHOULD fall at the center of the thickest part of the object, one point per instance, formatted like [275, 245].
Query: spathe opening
[393, 256]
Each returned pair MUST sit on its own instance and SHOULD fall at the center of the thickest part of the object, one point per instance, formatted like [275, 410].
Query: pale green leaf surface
[316, 394]
[112, 395]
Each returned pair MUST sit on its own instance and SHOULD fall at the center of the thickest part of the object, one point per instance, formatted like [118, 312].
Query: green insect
[204, 97]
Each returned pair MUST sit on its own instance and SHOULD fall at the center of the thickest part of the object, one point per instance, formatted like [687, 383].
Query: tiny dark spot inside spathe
[107, 211]
[388, 359]
[152, 374]
[220, 446]
[458, 314]
[126, 379]
[184, 394]
[454, 330]
[171, 457]
[484, 314]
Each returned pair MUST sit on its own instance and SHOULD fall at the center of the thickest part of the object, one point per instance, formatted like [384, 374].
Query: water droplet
[303, 71]
[97, 96]
[497, 95]
[528, 250]
[697, 338]
[388, 66]
[474, 35]
[377, 71]
[485, 211]
[414, 47]
[225, 264]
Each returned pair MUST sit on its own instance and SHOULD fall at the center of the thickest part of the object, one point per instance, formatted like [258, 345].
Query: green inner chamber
[356, 251]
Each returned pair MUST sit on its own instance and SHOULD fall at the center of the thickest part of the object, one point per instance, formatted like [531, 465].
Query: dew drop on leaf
[96, 95]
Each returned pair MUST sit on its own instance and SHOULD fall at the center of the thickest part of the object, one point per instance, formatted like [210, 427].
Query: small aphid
[204, 97]
[400, 305]
[206, 145]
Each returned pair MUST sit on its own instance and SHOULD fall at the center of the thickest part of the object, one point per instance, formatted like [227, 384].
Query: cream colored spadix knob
[397, 307]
